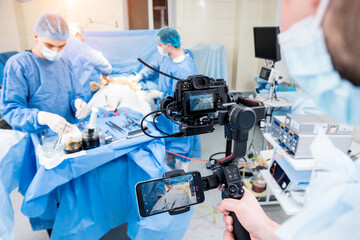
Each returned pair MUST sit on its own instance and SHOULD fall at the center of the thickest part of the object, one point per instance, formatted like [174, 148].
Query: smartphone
[166, 194]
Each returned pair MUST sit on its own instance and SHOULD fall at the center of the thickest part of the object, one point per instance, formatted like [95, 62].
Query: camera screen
[200, 101]
[166, 194]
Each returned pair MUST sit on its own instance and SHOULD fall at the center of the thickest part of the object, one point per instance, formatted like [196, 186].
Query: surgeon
[319, 42]
[39, 88]
[176, 62]
[85, 60]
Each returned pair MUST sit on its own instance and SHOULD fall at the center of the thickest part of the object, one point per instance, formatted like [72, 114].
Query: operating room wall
[9, 34]
[227, 22]
[251, 13]
[17, 19]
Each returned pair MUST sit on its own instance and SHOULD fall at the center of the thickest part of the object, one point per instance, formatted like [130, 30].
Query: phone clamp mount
[176, 173]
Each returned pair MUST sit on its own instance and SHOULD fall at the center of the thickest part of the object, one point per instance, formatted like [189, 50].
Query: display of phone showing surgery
[165, 194]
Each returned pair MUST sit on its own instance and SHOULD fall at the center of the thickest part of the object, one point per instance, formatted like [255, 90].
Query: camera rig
[198, 103]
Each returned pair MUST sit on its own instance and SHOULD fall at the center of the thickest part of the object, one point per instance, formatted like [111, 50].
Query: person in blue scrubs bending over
[85, 60]
[39, 87]
[176, 62]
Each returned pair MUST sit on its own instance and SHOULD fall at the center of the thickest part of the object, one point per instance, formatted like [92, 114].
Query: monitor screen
[266, 43]
[265, 74]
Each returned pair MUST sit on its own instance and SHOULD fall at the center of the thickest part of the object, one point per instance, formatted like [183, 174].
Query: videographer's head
[168, 39]
[341, 27]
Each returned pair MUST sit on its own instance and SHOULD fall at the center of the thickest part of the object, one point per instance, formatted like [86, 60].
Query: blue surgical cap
[169, 35]
[53, 26]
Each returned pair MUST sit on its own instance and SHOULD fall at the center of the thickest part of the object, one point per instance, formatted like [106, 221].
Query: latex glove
[104, 80]
[94, 86]
[54, 122]
[251, 216]
[155, 94]
[135, 79]
[81, 109]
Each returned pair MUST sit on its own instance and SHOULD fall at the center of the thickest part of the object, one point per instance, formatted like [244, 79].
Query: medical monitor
[266, 43]
[265, 74]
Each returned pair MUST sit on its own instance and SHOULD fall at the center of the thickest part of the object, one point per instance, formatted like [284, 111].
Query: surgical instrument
[112, 135]
[130, 136]
[117, 127]
[58, 140]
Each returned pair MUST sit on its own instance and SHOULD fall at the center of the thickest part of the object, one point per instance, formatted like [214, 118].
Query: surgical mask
[50, 54]
[304, 49]
[179, 59]
[161, 51]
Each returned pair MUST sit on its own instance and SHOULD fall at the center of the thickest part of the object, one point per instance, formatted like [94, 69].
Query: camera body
[200, 101]
[200, 95]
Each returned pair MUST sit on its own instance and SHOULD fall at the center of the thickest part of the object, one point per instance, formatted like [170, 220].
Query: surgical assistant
[176, 62]
[85, 60]
[39, 86]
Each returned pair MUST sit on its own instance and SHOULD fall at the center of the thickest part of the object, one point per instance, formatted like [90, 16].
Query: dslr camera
[201, 101]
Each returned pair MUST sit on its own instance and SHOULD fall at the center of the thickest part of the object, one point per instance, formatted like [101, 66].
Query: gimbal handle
[239, 232]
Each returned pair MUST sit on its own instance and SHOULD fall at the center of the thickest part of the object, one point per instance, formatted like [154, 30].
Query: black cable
[211, 157]
[144, 131]
[169, 117]
[275, 95]
[154, 119]
[185, 125]
[147, 65]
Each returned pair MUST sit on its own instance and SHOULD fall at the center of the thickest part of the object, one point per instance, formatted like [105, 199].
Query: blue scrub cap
[169, 35]
[53, 26]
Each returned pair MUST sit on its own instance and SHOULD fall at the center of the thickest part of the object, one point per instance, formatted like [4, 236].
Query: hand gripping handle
[239, 232]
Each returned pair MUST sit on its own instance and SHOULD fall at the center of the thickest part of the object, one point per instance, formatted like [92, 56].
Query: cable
[156, 116]
[253, 176]
[243, 175]
[144, 131]
[140, 60]
[276, 156]
[212, 212]
[198, 160]
[261, 161]
[275, 95]
[181, 124]
[192, 159]
[211, 157]
[252, 141]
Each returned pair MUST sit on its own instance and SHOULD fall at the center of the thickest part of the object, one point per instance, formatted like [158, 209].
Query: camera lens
[201, 82]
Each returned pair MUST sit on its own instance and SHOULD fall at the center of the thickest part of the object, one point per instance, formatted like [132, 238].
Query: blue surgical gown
[85, 60]
[32, 84]
[186, 146]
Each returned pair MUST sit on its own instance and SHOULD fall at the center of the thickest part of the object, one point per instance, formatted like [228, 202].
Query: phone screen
[162, 195]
